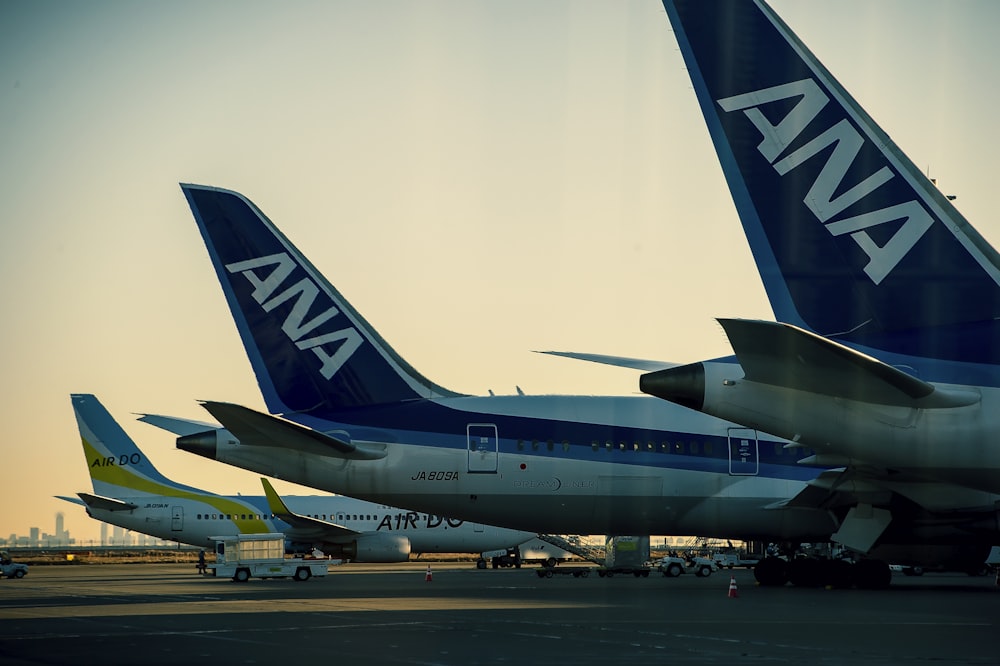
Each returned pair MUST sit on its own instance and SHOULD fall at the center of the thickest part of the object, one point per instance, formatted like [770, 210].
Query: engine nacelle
[207, 443]
[380, 548]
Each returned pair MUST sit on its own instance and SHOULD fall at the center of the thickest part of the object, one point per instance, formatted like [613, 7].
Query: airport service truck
[243, 556]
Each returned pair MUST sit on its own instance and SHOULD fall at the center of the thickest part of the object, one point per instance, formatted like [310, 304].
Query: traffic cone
[733, 593]
[427, 576]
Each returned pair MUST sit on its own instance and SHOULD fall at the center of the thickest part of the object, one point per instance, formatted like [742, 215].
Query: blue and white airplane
[359, 420]
[885, 359]
[129, 492]
[356, 418]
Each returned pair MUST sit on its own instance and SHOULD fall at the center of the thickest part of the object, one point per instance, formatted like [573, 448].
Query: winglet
[274, 501]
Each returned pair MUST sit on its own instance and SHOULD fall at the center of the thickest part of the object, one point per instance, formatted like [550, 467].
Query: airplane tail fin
[117, 466]
[308, 347]
[851, 240]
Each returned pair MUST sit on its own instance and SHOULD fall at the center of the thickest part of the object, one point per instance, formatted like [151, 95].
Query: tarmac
[389, 614]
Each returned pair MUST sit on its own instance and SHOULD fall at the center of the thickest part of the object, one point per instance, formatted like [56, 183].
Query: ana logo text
[334, 348]
[821, 199]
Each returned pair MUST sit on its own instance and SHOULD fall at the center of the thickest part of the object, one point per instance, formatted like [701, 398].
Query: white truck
[11, 569]
[735, 559]
[672, 566]
[243, 556]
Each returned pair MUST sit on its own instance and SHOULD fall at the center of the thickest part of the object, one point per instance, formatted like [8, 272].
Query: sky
[479, 179]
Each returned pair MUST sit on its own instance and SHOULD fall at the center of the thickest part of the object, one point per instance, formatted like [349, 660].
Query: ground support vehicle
[675, 566]
[732, 560]
[243, 556]
[500, 559]
[11, 569]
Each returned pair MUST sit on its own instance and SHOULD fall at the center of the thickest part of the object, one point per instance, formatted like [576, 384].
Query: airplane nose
[683, 385]
[202, 443]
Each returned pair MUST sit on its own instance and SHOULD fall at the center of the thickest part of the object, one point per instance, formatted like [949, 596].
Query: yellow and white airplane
[129, 492]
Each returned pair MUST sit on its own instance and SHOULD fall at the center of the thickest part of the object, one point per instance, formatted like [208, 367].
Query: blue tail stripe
[850, 239]
[309, 348]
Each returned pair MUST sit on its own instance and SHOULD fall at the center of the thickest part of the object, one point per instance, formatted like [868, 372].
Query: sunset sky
[479, 179]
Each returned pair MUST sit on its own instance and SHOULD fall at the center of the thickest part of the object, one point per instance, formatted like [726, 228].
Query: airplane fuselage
[196, 520]
[512, 461]
[951, 444]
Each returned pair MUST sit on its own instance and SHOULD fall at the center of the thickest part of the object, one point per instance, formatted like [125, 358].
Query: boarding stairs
[572, 544]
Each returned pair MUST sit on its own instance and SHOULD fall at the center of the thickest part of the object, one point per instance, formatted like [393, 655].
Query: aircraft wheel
[872, 574]
[838, 573]
[805, 572]
[771, 572]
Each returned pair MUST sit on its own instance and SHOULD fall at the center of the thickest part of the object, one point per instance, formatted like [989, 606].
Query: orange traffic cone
[427, 576]
[733, 593]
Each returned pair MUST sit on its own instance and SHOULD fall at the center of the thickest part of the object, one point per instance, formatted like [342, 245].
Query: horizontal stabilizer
[178, 426]
[256, 429]
[315, 527]
[619, 361]
[71, 500]
[787, 356]
[106, 503]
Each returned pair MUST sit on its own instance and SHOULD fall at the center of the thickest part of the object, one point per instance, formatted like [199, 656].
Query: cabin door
[743, 459]
[483, 446]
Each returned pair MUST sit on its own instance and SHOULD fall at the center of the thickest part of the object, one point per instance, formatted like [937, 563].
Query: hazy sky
[480, 179]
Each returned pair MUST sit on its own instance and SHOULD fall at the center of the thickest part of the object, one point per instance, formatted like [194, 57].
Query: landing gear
[816, 572]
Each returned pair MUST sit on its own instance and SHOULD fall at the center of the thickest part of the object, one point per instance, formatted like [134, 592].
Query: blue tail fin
[851, 240]
[117, 467]
[308, 347]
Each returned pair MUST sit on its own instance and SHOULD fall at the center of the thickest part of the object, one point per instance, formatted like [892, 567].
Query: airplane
[883, 362]
[129, 492]
[347, 414]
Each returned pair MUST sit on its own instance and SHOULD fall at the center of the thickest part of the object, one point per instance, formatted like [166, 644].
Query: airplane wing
[619, 361]
[105, 503]
[784, 355]
[303, 527]
[256, 429]
[178, 426]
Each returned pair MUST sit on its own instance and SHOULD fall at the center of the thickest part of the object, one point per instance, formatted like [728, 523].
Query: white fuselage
[663, 483]
[195, 521]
